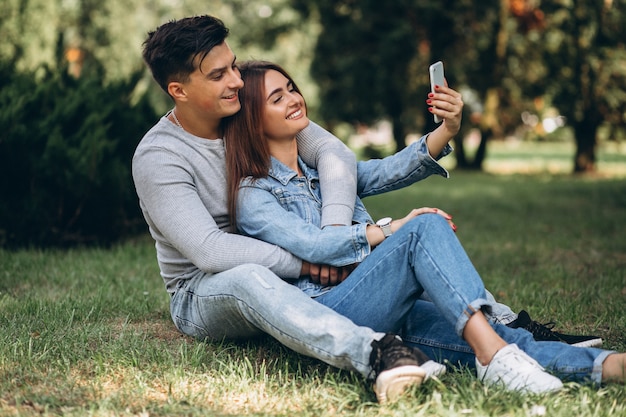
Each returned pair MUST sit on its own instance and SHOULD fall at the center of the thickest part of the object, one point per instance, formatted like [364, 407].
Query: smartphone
[436, 78]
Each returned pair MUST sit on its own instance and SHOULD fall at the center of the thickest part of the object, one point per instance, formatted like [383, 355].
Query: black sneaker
[544, 332]
[397, 366]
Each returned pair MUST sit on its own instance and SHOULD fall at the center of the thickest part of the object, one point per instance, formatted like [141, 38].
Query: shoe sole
[589, 343]
[392, 383]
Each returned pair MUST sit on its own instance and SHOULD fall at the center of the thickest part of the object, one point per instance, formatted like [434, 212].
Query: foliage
[65, 150]
[110, 34]
[505, 55]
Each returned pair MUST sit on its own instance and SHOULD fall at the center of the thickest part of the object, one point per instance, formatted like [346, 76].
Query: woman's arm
[417, 161]
[336, 165]
[261, 216]
[412, 164]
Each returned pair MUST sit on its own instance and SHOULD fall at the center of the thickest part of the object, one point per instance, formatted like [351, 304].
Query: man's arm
[183, 226]
[336, 165]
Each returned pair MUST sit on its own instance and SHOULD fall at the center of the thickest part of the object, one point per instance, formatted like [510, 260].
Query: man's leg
[250, 300]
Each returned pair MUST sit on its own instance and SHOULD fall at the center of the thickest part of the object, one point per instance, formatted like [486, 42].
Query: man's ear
[177, 91]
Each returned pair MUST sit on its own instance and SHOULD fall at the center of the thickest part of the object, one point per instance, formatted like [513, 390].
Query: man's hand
[329, 275]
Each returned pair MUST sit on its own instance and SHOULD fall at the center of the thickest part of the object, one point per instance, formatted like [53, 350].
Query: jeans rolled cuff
[475, 306]
[596, 373]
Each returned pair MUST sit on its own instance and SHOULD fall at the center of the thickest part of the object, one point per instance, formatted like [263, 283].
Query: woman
[276, 198]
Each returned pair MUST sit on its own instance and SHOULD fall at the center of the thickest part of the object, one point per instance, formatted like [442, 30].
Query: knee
[250, 268]
[428, 220]
[251, 274]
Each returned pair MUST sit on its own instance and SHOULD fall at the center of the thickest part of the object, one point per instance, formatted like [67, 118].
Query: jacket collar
[283, 174]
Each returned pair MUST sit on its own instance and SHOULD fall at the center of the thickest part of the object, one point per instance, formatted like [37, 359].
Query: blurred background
[75, 96]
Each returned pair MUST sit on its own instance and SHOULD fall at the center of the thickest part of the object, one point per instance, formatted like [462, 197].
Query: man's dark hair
[175, 49]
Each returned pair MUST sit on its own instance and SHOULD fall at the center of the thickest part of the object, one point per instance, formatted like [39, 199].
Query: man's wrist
[305, 269]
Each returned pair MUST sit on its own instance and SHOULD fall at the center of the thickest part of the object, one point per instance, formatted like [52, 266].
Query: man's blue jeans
[250, 300]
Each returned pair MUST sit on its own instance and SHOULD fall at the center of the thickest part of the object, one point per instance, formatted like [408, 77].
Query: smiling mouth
[294, 115]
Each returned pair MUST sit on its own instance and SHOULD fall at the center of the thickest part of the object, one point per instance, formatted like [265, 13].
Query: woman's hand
[397, 224]
[448, 104]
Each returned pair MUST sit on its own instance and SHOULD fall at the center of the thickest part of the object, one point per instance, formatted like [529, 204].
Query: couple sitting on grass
[258, 229]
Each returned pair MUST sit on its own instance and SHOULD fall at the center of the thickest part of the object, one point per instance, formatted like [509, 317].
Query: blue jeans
[250, 300]
[384, 292]
[381, 295]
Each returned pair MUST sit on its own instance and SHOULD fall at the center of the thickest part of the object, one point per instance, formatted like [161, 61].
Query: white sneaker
[433, 369]
[516, 371]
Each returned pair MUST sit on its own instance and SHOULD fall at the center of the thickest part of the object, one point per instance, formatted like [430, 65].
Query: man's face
[212, 89]
[284, 112]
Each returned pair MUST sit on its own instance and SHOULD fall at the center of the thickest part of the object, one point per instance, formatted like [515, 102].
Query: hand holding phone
[436, 78]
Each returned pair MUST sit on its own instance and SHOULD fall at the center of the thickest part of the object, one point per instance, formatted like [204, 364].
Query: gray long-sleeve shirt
[181, 183]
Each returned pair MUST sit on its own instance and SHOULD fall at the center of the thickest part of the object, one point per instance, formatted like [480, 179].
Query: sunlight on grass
[517, 157]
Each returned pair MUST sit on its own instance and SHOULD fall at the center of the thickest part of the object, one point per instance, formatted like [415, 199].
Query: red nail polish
[428, 101]
[431, 95]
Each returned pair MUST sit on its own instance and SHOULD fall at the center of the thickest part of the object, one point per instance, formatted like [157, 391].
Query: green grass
[87, 331]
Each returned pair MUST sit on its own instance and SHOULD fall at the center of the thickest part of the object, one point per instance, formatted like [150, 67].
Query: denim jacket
[285, 209]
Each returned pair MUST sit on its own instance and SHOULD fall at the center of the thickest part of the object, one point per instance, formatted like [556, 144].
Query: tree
[372, 58]
[371, 61]
[584, 53]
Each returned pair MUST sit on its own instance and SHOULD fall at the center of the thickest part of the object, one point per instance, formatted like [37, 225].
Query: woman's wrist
[374, 235]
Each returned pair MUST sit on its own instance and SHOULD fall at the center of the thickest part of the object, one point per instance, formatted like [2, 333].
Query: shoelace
[542, 330]
[392, 354]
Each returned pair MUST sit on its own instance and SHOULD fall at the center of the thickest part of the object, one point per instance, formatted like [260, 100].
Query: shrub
[66, 145]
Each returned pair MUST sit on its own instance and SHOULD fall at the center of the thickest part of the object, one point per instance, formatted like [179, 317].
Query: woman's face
[284, 113]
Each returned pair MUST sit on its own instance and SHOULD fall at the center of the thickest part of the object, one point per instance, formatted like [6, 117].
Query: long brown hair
[247, 150]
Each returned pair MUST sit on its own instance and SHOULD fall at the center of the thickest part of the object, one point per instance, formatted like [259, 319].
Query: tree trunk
[476, 163]
[585, 133]
[481, 152]
[399, 133]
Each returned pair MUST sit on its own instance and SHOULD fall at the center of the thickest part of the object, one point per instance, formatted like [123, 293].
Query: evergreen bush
[66, 145]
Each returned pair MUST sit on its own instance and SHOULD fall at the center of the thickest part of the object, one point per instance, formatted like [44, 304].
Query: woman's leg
[424, 255]
[426, 330]
[249, 300]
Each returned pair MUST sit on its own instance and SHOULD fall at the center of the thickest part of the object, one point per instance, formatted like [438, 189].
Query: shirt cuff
[336, 214]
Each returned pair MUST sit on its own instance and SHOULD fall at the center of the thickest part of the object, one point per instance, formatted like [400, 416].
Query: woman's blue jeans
[384, 291]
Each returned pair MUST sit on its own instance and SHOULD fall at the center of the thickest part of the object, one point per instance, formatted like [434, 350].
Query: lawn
[86, 332]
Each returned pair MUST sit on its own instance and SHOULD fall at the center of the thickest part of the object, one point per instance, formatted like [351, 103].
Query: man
[224, 285]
